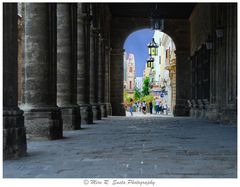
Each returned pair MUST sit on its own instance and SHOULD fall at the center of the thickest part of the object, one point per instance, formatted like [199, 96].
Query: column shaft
[66, 66]
[101, 77]
[83, 64]
[107, 82]
[14, 133]
[42, 116]
[94, 74]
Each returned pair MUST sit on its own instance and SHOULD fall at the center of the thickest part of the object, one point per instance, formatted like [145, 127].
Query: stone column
[116, 85]
[83, 68]
[101, 77]
[14, 133]
[183, 84]
[42, 116]
[107, 81]
[66, 67]
[94, 73]
[212, 112]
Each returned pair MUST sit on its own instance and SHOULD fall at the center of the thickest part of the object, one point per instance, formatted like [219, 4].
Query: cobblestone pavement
[133, 147]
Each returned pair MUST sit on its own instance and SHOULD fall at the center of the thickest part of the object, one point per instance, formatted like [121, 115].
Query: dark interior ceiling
[144, 10]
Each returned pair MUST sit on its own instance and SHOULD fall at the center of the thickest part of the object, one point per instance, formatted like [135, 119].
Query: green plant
[147, 98]
[137, 94]
[146, 85]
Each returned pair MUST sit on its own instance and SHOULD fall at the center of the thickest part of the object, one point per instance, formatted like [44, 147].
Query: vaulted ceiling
[144, 10]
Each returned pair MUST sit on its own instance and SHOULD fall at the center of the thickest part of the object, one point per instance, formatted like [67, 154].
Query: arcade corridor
[133, 147]
[63, 109]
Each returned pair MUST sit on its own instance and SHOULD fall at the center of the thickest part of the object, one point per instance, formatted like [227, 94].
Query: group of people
[142, 107]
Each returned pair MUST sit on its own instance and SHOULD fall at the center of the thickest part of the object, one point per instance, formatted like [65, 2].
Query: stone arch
[179, 31]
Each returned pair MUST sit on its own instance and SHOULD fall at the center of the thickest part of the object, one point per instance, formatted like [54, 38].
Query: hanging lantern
[150, 62]
[156, 22]
[153, 48]
[219, 32]
[209, 43]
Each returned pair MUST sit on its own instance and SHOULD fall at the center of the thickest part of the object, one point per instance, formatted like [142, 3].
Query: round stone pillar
[101, 77]
[66, 66]
[83, 65]
[42, 116]
[107, 82]
[14, 133]
[116, 85]
[94, 73]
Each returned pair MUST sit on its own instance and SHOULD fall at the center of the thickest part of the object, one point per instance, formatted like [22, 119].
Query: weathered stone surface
[86, 113]
[83, 65]
[116, 84]
[71, 117]
[109, 109]
[94, 73]
[96, 109]
[66, 67]
[134, 147]
[183, 84]
[44, 123]
[39, 83]
[223, 56]
[14, 135]
[65, 63]
[103, 108]
[42, 117]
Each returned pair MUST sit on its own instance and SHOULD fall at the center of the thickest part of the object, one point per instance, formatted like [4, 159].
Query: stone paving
[133, 147]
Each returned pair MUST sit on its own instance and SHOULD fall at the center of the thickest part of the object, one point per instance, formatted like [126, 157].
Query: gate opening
[149, 76]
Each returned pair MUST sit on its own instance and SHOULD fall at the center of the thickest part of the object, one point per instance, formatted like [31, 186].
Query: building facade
[130, 73]
[139, 83]
[161, 83]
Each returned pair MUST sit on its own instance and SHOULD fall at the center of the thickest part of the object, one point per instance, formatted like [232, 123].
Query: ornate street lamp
[153, 48]
[156, 22]
[150, 62]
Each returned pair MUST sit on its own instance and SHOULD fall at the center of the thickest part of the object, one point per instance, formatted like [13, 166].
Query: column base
[118, 109]
[44, 122]
[181, 108]
[86, 113]
[96, 111]
[71, 117]
[212, 113]
[14, 134]
[229, 116]
[109, 109]
[103, 107]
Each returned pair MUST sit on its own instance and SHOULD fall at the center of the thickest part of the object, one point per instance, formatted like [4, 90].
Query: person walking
[144, 107]
[157, 105]
[150, 107]
[131, 106]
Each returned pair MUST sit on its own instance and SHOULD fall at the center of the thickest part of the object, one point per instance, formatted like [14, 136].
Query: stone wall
[205, 19]
[200, 25]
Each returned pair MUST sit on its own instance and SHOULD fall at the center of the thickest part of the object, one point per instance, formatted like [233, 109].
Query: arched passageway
[73, 74]
[159, 70]
[179, 32]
